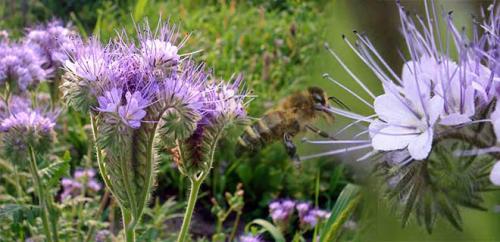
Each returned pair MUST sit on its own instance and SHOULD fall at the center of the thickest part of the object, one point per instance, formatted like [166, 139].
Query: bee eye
[319, 99]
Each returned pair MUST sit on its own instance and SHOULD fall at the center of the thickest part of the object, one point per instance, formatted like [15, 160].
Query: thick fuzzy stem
[128, 230]
[193, 196]
[41, 197]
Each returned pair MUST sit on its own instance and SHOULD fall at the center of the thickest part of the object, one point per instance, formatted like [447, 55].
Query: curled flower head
[87, 72]
[26, 129]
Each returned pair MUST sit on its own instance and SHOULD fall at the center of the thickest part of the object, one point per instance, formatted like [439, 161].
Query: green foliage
[344, 206]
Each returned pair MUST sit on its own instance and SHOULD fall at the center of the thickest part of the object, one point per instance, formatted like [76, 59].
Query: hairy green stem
[41, 196]
[128, 232]
[100, 161]
[19, 189]
[193, 196]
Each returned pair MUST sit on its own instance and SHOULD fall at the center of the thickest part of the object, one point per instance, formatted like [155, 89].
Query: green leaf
[343, 208]
[269, 227]
[55, 171]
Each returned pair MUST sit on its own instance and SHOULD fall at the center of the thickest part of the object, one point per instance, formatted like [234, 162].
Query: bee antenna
[339, 103]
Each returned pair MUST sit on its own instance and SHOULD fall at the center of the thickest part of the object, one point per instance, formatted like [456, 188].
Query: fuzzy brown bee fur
[293, 115]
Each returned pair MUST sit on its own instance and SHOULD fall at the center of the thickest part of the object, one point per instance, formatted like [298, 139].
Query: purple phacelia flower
[160, 53]
[433, 92]
[110, 101]
[133, 112]
[73, 187]
[159, 48]
[225, 100]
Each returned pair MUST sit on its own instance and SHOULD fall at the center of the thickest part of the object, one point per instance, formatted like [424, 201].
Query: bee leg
[291, 149]
[319, 132]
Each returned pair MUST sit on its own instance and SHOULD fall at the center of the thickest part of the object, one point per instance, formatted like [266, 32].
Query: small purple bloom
[102, 235]
[133, 112]
[250, 238]
[110, 101]
[72, 187]
[281, 211]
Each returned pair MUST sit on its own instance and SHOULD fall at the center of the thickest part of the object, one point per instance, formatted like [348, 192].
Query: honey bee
[293, 115]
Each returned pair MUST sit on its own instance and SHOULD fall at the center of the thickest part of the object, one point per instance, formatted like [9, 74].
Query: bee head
[318, 96]
[320, 100]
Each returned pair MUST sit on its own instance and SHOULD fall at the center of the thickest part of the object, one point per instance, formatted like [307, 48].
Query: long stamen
[363, 86]
[335, 152]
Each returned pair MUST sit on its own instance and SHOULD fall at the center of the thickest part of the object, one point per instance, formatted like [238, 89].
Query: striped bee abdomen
[267, 129]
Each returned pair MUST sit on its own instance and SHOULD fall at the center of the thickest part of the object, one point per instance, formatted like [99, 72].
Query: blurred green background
[278, 46]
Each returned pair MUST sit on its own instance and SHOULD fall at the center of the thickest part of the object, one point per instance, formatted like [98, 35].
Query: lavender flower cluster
[123, 79]
[36, 57]
[436, 97]
[82, 178]
[282, 212]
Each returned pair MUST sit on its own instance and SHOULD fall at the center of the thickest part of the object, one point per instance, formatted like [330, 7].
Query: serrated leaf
[55, 171]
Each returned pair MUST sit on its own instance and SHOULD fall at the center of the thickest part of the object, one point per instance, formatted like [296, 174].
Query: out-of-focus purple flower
[303, 208]
[54, 43]
[250, 238]
[309, 216]
[281, 211]
[4, 36]
[28, 121]
[72, 187]
[102, 235]
[21, 66]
